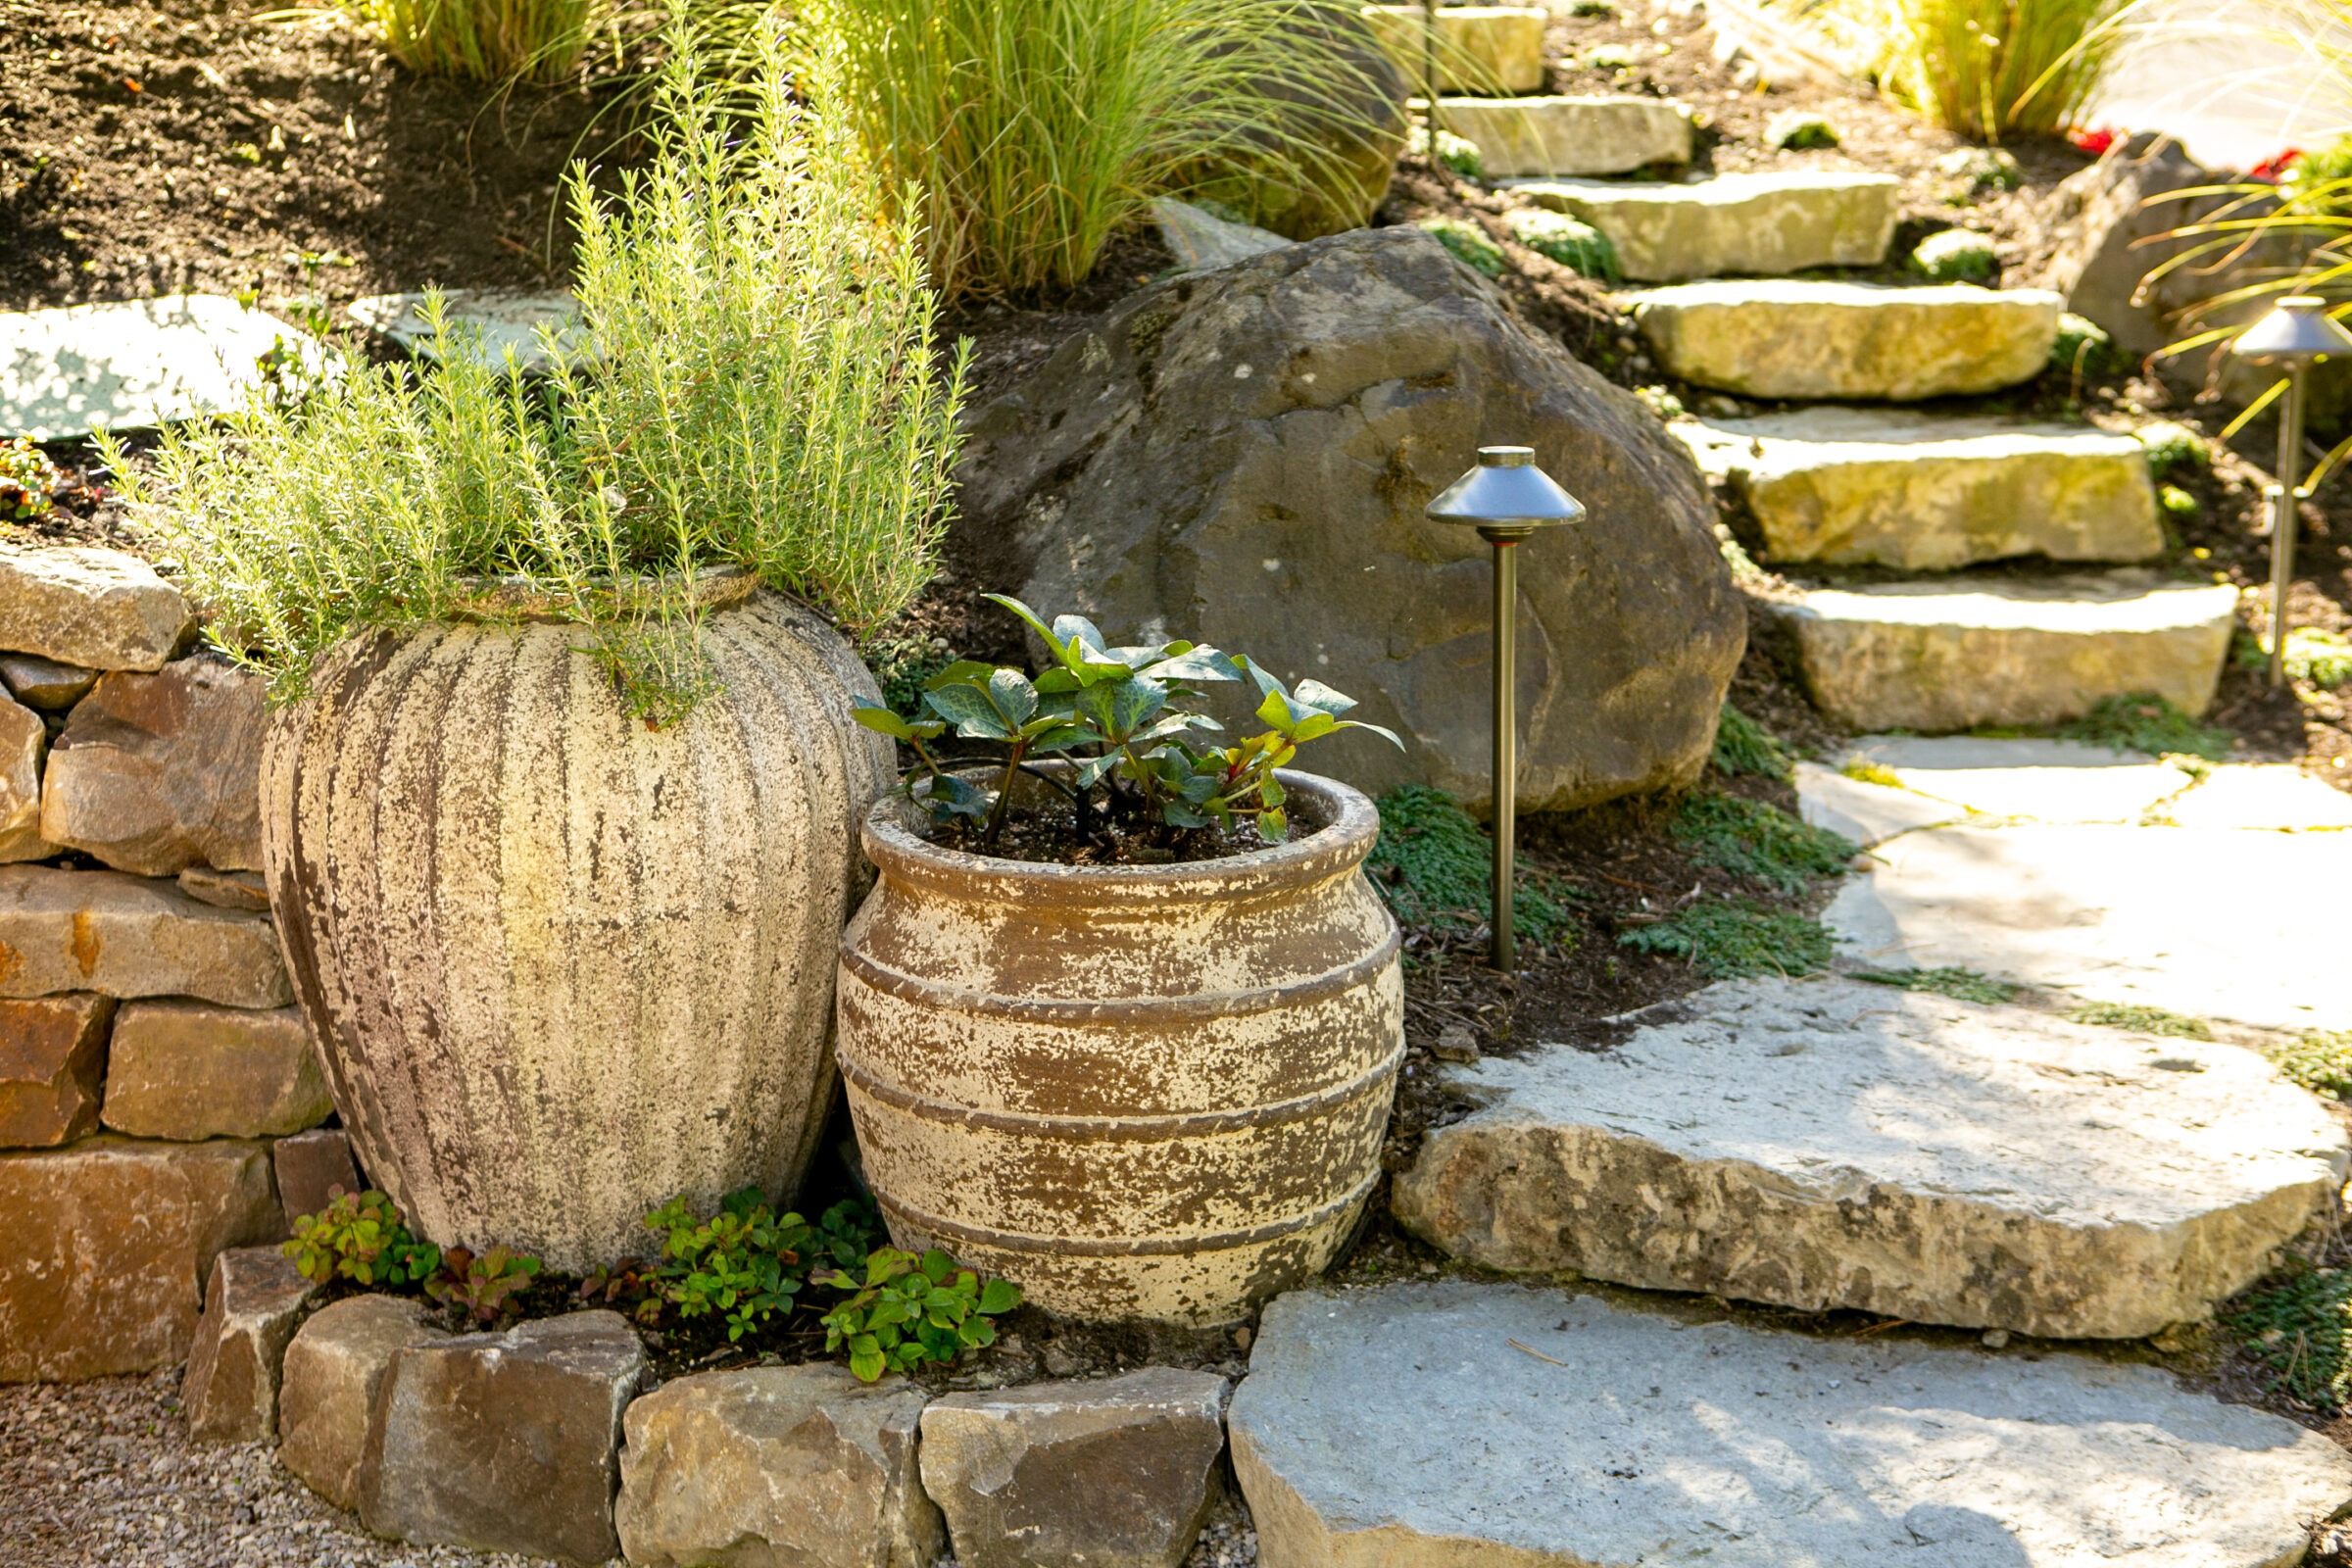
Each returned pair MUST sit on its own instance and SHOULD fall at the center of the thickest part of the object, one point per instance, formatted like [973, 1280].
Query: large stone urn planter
[563, 966]
[1138, 1092]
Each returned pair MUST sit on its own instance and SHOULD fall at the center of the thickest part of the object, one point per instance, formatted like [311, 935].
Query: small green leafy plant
[1800, 131]
[1733, 939]
[1435, 865]
[2141, 1018]
[2082, 347]
[2174, 448]
[1457, 153]
[1956, 256]
[1470, 245]
[744, 1264]
[2321, 1062]
[1743, 746]
[2321, 659]
[1139, 768]
[1752, 839]
[908, 1311]
[2301, 1332]
[2146, 722]
[360, 1237]
[1960, 984]
[28, 480]
[484, 1289]
[1577, 246]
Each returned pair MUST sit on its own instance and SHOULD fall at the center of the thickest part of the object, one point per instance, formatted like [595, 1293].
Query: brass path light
[2298, 335]
[1505, 498]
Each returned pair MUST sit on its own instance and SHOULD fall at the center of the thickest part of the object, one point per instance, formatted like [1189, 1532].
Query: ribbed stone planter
[563, 966]
[1138, 1092]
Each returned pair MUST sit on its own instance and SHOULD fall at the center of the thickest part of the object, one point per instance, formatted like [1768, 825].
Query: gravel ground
[103, 1473]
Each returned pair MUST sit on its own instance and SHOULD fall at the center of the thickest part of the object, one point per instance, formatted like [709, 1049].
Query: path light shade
[1505, 498]
[2295, 337]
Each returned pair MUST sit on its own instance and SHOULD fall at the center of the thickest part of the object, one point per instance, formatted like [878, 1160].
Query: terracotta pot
[563, 967]
[1138, 1092]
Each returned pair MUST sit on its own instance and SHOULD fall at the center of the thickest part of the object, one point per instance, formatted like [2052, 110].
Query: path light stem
[1429, 78]
[2296, 336]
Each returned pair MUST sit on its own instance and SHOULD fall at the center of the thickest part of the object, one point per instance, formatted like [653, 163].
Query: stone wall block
[51, 1059]
[772, 1465]
[190, 1069]
[332, 1371]
[505, 1442]
[309, 1168]
[105, 1247]
[97, 607]
[131, 936]
[1112, 1474]
[230, 1391]
[45, 683]
[157, 772]
[23, 743]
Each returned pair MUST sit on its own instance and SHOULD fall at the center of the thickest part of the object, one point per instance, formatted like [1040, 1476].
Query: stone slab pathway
[1831, 1143]
[132, 365]
[1508, 1426]
[490, 324]
[2113, 876]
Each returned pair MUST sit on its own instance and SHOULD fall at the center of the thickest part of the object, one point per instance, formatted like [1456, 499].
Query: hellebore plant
[1124, 721]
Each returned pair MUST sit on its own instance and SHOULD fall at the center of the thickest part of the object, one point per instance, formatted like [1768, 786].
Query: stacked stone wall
[159, 1100]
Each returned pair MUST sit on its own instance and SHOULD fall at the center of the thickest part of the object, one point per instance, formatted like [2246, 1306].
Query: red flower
[2274, 168]
[2093, 142]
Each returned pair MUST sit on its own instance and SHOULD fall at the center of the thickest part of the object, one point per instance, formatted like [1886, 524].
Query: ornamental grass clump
[1987, 69]
[1034, 132]
[753, 386]
[485, 40]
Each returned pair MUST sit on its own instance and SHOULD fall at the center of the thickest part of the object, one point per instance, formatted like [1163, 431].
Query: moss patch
[1736, 939]
[2300, 1332]
[2321, 1062]
[2137, 1016]
[1960, 984]
[1751, 839]
[2147, 723]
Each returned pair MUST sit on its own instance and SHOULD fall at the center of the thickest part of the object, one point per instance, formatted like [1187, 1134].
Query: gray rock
[1111, 1474]
[776, 1465]
[134, 365]
[1830, 1144]
[1935, 655]
[188, 1069]
[309, 1166]
[2111, 224]
[329, 1385]
[23, 743]
[128, 936]
[52, 1057]
[229, 1390]
[505, 1442]
[157, 772]
[100, 608]
[1895, 488]
[1567, 136]
[2118, 914]
[1303, 408]
[45, 683]
[1201, 241]
[224, 890]
[1796, 340]
[1453, 1425]
[1480, 48]
[1757, 222]
[489, 325]
[107, 1246]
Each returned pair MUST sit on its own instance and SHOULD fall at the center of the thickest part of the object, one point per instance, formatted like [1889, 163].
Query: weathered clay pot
[563, 967]
[1138, 1092]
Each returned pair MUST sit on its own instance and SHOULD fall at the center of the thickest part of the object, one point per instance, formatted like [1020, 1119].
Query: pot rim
[1335, 849]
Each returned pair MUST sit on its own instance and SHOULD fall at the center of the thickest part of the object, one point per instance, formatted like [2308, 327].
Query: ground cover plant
[1434, 866]
[755, 389]
[2321, 1062]
[1140, 782]
[2147, 723]
[2141, 1018]
[1032, 133]
[1733, 939]
[2299, 1331]
[735, 1271]
[1959, 983]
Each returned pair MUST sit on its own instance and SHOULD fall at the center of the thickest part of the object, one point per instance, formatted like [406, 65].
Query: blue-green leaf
[970, 710]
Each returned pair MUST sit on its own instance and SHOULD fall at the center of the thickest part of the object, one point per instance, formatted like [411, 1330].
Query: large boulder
[157, 772]
[2113, 223]
[1243, 457]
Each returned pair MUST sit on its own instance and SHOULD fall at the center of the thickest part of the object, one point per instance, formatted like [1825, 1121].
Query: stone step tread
[1508, 1426]
[1480, 48]
[1931, 492]
[1938, 655]
[1829, 1143]
[134, 365]
[1556, 136]
[1869, 342]
[1724, 225]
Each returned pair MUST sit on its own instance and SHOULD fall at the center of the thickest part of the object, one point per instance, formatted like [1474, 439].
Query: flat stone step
[1940, 656]
[135, 365]
[1794, 339]
[1496, 1426]
[1562, 135]
[1894, 488]
[1831, 1144]
[1731, 223]
[486, 324]
[1480, 48]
